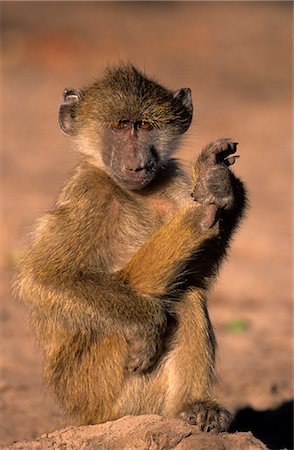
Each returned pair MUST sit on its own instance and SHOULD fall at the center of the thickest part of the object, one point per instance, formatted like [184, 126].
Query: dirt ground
[236, 57]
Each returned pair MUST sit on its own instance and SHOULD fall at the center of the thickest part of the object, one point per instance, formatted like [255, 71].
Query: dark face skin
[130, 155]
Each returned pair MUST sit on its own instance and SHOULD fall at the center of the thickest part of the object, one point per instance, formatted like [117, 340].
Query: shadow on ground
[274, 427]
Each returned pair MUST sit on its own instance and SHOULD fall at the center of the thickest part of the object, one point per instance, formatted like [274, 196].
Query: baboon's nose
[133, 164]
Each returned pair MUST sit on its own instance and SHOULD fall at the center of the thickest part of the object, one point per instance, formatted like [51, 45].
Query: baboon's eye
[122, 124]
[145, 125]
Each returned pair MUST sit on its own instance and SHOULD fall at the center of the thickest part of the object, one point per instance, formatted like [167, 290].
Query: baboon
[116, 273]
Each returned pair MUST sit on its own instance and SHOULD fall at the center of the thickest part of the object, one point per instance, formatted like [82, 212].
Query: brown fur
[116, 278]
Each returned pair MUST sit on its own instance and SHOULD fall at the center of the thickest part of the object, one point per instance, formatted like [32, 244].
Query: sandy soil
[236, 57]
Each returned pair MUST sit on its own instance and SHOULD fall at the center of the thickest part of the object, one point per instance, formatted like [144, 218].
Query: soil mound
[141, 433]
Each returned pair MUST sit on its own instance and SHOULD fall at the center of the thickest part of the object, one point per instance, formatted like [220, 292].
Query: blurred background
[237, 58]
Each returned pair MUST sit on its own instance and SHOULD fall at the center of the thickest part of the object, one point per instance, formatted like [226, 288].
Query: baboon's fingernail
[231, 160]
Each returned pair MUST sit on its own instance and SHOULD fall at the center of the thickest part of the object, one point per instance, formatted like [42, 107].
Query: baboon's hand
[214, 179]
[145, 345]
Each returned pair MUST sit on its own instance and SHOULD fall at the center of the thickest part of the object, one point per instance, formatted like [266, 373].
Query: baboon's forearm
[159, 266]
[182, 252]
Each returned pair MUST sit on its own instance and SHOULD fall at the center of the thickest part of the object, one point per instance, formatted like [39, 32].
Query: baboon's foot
[213, 187]
[207, 416]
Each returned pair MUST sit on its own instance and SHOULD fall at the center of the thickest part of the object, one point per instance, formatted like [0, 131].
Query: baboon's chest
[131, 227]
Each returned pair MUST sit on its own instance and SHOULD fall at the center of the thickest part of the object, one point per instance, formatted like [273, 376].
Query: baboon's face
[131, 153]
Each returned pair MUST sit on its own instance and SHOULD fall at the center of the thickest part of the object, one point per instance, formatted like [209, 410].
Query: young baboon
[116, 274]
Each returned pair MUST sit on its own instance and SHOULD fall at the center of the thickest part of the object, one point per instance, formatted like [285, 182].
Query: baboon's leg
[191, 368]
[180, 385]
[87, 375]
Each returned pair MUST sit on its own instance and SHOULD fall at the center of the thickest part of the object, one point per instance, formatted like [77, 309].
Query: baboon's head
[128, 123]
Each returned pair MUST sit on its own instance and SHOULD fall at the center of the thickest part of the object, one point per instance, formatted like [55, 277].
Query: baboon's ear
[67, 110]
[183, 98]
[184, 95]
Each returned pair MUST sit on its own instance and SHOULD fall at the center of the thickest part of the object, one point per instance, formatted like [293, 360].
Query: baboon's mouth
[136, 179]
